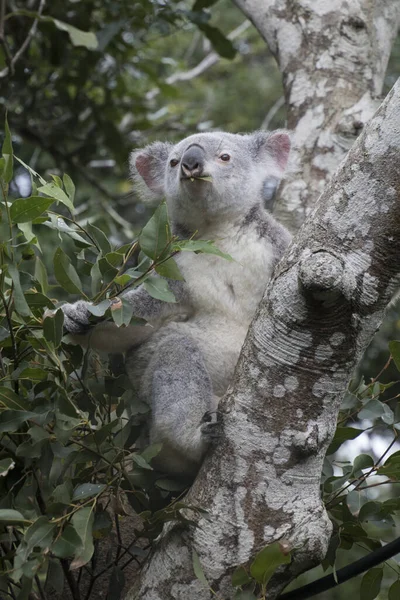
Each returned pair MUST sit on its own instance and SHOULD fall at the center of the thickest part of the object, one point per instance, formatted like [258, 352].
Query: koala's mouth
[197, 178]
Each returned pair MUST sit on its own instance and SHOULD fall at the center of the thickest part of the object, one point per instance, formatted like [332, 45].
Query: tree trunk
[317, 317]
[333, 56]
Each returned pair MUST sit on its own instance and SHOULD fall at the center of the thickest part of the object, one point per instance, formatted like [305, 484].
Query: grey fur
[182, 364]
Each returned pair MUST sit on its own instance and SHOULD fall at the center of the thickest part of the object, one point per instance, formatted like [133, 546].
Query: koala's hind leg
[183, 404]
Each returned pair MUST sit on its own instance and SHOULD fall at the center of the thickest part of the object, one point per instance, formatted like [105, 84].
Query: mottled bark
[333, 56]
[318, 315]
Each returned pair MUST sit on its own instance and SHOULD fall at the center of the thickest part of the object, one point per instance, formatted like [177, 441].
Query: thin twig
[272, 112]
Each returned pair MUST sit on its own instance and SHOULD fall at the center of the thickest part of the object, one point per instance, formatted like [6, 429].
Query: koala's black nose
[192, 164]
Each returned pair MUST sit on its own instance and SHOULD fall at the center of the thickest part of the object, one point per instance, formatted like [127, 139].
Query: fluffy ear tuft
[275, 145]
[148, 166]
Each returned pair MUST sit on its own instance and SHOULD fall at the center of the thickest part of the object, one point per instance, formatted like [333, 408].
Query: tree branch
[13, 60]
[318, 315]
[333, 60]
[206, 63]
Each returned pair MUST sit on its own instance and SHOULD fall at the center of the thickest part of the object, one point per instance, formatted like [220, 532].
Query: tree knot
[321, 273]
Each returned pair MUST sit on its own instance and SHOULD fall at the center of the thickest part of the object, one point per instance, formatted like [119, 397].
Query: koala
[182, 364]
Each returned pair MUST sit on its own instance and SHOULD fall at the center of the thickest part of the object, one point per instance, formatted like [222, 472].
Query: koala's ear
[148, 166]
[275, 146]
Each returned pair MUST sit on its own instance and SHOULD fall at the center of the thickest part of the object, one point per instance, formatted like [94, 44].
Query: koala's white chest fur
[224, 296]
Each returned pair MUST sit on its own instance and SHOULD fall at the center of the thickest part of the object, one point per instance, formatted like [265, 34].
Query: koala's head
[211, 175]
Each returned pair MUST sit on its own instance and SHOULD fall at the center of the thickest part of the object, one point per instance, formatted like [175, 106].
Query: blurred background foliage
[153, 69]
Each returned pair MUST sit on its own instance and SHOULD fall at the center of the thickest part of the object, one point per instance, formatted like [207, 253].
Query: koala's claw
[76, 317]
[211, 426]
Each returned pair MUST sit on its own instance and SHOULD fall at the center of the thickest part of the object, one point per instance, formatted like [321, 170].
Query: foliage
[68, 419]
[103, 101]
[97, 78]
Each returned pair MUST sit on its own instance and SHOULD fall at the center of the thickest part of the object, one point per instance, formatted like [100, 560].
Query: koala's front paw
[211, 426]
[76, 317]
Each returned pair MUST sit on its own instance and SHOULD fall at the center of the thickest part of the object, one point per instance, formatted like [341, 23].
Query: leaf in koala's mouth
[205, 178]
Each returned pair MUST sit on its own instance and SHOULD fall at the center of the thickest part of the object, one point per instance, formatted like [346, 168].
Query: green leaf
[34, 374]
[151, 452]
[38, 300]
[58, 223]
[394, 349]
[69, 187]
[156, 234]
[31, 171]
[52, 190]
[240, 577]
[343, 434]
[220, 43]
[6, 464]
[24, 210]
[77, 36]
[394, 591]
[40, 533]
[198, 569]
[202, 246]
[7, 152]
[99, 237]
[68, 545]
[10, 399]
[169, 269]
[65, 273]
[11, 420]
[86, 490]
[141, 462]
[12, 517]
[267, 561]
[57, 180]
[158, 288]
[41, 275]
[122, 314]
[99, 310]
[108, 271]
[371, 584]
[53, 327]
[391, 468]
[20, 303]
[82, 520]
[363, 461]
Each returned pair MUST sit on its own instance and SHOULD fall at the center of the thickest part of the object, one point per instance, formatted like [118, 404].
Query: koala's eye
[225, 157]
[174, 162]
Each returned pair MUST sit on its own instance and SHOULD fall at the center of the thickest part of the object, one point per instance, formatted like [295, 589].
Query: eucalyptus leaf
[12, 517]
[65, 273]
[52, 190]
[371, 584]
[158, 288]
[82, 520]
[156, 234]
[198, 569]
[267, 561]
[24, 210]
[21, 304]
[53, 327]
[87, 490]
[10, 399]
[7, 152]
[394, 591]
